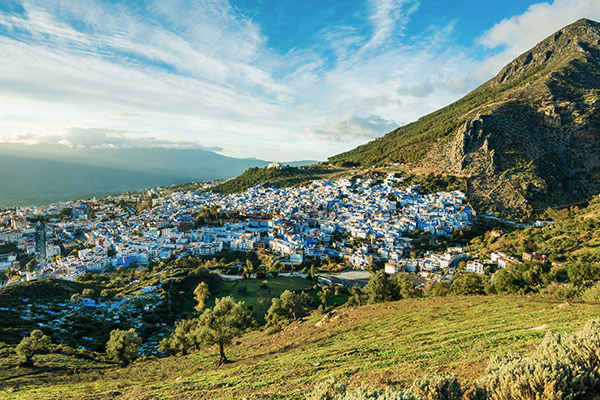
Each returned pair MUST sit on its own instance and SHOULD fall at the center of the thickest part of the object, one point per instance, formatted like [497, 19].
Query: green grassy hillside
[380, 345]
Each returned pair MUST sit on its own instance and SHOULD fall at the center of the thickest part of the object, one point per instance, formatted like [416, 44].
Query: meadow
[378, 345]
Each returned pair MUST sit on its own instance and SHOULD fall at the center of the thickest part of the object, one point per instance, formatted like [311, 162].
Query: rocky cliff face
[540, 142]
[530, 135]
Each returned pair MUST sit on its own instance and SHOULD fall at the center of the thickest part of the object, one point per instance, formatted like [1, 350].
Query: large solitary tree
[220, 324]
[31, 345]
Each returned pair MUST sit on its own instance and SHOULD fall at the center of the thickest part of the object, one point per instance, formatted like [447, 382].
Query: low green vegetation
[434, 183]
[275, 177]
[377, 346]
[570, 244]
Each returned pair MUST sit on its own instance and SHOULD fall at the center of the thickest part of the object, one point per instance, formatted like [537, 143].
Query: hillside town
[359, 221]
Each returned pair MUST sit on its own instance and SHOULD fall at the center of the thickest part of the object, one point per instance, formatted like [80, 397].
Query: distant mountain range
[529, 136]
[42, 174]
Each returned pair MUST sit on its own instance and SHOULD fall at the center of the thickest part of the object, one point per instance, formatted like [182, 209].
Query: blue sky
[278, 80]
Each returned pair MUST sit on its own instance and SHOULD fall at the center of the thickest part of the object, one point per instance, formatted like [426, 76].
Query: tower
[40, 243]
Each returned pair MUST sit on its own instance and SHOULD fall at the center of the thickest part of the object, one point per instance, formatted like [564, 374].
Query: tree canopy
[220, 324]
[201, 294]
[31, 345]
[123, 346]
[287, 308]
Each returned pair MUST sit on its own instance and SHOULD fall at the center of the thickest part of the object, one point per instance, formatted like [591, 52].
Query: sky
[277, 80]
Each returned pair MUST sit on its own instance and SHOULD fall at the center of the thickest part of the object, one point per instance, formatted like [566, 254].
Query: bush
[561, 291]
[438, 387]
[332, 390]
[592, 294]
[529, 377]
[564, 366]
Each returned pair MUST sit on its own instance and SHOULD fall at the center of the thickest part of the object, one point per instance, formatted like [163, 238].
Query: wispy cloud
[180, 73]
[389, 17]
[204, 73]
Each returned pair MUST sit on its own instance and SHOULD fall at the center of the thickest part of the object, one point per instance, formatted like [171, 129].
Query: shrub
[529, 377]
[590, 337]
[561, 291]
[332, 390]
[564, 366]
[438, 387]
[592, 294]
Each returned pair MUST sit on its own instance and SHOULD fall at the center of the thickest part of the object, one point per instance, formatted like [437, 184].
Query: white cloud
[352, 126]
[104, 138]
[521, 32]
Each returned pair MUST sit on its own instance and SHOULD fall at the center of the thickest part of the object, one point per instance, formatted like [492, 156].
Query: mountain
[42, 174]
[529, 136]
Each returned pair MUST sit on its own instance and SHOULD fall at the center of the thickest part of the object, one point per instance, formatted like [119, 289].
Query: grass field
[379, 345]
[258, 293]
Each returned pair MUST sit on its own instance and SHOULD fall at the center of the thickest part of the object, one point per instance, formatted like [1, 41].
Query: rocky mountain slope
[530, 135]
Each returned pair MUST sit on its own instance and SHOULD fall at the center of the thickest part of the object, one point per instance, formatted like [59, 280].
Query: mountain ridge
[527, 137]
[43, 174]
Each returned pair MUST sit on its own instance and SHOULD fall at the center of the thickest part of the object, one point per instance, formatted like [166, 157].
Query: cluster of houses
[360, 221]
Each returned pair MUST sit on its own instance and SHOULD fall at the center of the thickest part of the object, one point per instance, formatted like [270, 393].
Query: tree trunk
[28, 362]
[222, 358]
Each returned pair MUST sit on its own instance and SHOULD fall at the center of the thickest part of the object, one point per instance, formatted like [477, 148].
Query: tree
[521, 278]
[31, 345]
[437, 289]
[357, 298]
[325, 293]
[31, 265]
[380, 288]
[123, 346]
[467, 283]
[581, 272]
[406, 287]
[220, 324]
[76, 298]
[88, 293]
[287, 308]
[201, 294]
[277, 265]
[107, 293]
[182, 339]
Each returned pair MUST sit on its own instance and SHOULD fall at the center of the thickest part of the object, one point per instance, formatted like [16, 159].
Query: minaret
[40, 243]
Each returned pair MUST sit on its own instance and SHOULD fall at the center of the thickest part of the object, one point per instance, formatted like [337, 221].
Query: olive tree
[31, 345]
[287, 308]
[123, 346]
[220, 324]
